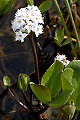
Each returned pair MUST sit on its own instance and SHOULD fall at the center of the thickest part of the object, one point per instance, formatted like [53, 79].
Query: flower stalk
[20, 103]
[35, 58]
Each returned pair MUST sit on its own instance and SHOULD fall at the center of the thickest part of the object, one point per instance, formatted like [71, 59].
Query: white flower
[63, 59]
[26, 20]
[20, 36]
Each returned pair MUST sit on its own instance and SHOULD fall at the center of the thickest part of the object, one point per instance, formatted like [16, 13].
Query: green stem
[65, 27]
[72, 21]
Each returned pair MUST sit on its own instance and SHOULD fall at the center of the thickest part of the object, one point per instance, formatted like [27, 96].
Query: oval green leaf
[41, 92]
[52, 78]
[59, 36]
[66, 79]
[46, 5]
[61, 99]
[75, 65]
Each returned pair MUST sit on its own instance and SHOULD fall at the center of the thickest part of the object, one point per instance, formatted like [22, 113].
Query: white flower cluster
[62, 58]
[26, 20]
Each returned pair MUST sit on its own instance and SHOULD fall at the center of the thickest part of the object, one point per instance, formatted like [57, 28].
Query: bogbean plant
[60, 85]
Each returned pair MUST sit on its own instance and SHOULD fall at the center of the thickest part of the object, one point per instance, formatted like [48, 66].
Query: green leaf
[59, 36]
[30, 2]
[6, 81]
[41, 92]
[75, 65]
[23, 82]
[52, 78]
[61, 99]
[46, 5]
[73, 1]
[66, 79]
[3, 3]
[6, 6]
[73, 97]
[74, 83]
[77, 96]
[65, 42]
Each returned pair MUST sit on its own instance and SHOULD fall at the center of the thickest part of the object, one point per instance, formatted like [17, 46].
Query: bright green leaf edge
[66, 79]
[52, 78]
[61, 99]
